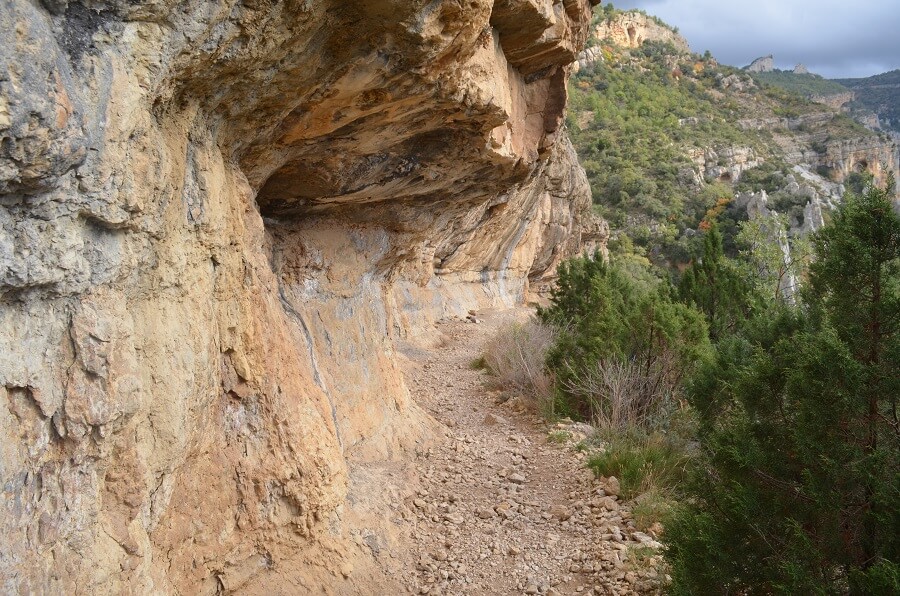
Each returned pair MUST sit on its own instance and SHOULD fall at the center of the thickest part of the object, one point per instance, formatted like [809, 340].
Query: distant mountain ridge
[874, 101]
[881, 95]
[669, 139]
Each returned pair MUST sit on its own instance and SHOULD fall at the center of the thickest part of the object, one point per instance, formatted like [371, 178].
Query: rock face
[215, 220]
[725, 163]
[764, 64]
[735, 81]
[834, 100]
[811, 146]
[875, 155]
[632, 29]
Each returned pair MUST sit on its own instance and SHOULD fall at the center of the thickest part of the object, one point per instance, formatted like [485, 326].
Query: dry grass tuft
[516, 357]
[624, 395]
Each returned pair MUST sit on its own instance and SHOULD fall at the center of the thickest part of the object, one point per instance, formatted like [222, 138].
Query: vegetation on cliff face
[608, 12]
[880, 94]
[668, 138]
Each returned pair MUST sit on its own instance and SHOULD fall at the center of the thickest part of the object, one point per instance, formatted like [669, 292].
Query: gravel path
[501, 509]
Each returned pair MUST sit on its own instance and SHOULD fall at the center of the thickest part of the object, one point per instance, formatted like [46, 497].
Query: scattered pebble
[499, 509]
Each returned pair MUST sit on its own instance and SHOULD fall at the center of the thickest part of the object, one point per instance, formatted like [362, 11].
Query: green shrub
[717, 287]
[652, 506]
[768, 177]
[857, 182]
[623, 347]
[642, 462]
[799, 491]
[560, 437]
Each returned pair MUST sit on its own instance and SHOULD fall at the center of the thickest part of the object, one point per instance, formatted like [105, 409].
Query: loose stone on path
[502, 510]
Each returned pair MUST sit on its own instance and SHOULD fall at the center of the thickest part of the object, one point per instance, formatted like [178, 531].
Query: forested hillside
[880, 94]
[738, 352]
[670, 139]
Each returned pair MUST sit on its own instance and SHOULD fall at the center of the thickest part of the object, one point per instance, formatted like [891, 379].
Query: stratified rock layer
[215, 220]
[631, 29]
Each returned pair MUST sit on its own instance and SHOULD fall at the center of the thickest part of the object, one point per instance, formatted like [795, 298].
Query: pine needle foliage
[717, 287]
[608, 321]
[799, 491]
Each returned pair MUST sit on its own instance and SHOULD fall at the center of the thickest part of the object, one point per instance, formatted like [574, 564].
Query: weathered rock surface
[875, 155]
[834, 100]
[215, 220]
[764, 64]
[629, 30]
[632, 29]
[725, 163]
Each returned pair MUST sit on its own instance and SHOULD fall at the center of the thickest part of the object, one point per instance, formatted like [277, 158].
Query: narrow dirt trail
[500, 508]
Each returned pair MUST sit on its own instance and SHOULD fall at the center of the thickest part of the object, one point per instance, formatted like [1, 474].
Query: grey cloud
[834, 38]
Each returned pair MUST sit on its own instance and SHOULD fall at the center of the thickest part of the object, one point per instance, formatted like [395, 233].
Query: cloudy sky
[834, 38]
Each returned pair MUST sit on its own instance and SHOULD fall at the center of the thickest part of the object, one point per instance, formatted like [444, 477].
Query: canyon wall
[806, 141]
[217, 219]
[631, 29]
[876, 155]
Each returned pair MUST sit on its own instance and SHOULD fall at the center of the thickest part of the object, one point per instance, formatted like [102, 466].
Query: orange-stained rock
[217, 222]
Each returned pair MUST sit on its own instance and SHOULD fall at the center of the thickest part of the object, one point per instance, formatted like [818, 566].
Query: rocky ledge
[216, 218]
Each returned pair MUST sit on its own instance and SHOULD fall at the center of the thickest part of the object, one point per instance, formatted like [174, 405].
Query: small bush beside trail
[516, 357]
[624, 347]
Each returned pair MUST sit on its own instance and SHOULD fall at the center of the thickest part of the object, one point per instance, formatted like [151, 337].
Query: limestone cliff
[216, 219]
[763, 64]
[875, 155]
[631, 29]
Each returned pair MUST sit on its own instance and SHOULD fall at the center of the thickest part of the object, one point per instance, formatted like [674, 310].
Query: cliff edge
[216, 221]
[630, 29]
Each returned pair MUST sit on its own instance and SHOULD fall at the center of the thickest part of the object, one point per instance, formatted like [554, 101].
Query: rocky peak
[764, 64]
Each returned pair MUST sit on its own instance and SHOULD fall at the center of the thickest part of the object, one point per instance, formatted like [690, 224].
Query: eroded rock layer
[631, 29]
[216, 218]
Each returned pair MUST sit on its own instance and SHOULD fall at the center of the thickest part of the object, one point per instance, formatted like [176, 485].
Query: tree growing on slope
[616, 332]
[716, 287]
[800, 488]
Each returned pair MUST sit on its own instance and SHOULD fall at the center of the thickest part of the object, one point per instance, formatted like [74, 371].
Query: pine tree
[716, 287]
[855, 287]
[800, 487]
[604, 315]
